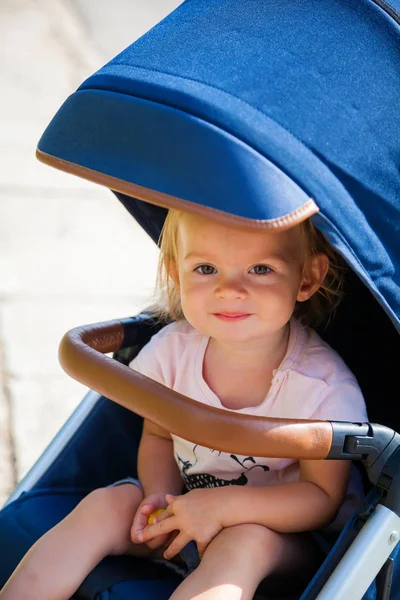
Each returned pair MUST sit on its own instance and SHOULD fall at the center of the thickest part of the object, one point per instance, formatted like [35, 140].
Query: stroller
[261, 114]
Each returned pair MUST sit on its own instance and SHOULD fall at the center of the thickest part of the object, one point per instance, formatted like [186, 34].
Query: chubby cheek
[277, 300]
[193, 300]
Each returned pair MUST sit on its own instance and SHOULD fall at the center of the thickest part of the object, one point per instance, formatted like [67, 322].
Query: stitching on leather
[306, 210]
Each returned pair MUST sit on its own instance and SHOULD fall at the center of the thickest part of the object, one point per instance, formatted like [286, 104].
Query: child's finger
[151, 531]
[161, 516]
[157, 542]
[147, 509]
[139, 523]
[136, 530]
[140, 518]
[176, 546]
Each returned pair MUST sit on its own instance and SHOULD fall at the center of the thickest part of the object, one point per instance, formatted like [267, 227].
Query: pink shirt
[312, 382]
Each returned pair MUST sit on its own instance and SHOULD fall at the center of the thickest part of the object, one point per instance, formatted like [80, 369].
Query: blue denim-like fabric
[190, 556]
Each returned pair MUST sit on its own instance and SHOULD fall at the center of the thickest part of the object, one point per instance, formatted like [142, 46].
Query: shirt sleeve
[147, 361]
[341, 402]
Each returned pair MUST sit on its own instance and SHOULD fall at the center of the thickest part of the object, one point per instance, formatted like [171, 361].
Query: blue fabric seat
[25, 520]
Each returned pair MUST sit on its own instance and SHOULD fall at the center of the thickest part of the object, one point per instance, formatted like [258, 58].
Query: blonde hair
[315, 311]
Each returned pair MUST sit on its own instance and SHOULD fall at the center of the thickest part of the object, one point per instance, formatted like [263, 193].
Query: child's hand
[140, 520]
[196, 515]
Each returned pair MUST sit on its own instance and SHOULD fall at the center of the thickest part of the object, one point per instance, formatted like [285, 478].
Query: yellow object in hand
[153, 515]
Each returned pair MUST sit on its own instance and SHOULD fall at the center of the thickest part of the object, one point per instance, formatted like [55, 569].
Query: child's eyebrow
[272, 257]
[196, 255]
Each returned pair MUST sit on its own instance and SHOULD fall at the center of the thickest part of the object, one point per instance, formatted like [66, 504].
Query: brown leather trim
[81, 356]
[136, 191]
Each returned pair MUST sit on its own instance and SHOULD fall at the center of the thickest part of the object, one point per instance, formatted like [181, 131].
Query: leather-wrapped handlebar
[82, 355]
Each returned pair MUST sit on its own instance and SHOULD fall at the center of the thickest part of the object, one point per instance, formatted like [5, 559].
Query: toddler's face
[238, 286]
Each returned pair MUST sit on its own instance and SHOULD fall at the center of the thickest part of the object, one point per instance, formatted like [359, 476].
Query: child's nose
[231, 288]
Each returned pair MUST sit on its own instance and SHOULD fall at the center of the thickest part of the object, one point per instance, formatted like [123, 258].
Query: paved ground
[56, 269]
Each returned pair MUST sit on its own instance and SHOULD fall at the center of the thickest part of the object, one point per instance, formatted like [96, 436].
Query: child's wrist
[229, 505]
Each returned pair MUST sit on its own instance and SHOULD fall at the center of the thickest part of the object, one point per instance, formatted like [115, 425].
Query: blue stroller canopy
[258, 113]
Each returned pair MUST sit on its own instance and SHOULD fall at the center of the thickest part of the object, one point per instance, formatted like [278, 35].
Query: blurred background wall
[69, 253]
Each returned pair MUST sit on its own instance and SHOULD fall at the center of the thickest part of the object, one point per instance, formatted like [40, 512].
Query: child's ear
[173, 272]
[313, 276]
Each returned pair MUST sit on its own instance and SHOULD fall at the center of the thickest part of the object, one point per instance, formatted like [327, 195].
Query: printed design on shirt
[206, 480]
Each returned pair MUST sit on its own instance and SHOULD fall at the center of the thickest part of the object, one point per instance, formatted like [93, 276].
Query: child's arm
[286, 508]
[158, 474]
[157, 468]
[307, 504]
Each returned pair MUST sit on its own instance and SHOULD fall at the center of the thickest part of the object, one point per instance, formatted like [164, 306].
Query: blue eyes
[256, 270]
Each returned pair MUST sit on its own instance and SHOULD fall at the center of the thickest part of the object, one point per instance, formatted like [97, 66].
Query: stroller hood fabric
[263, 111]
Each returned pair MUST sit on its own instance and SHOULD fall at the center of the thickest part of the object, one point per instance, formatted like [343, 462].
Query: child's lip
[231, 316]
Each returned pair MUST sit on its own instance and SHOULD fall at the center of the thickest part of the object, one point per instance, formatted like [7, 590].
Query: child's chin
[224, 331]
[233, 334]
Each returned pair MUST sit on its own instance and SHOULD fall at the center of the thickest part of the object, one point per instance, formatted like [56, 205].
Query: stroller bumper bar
[82, 356]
